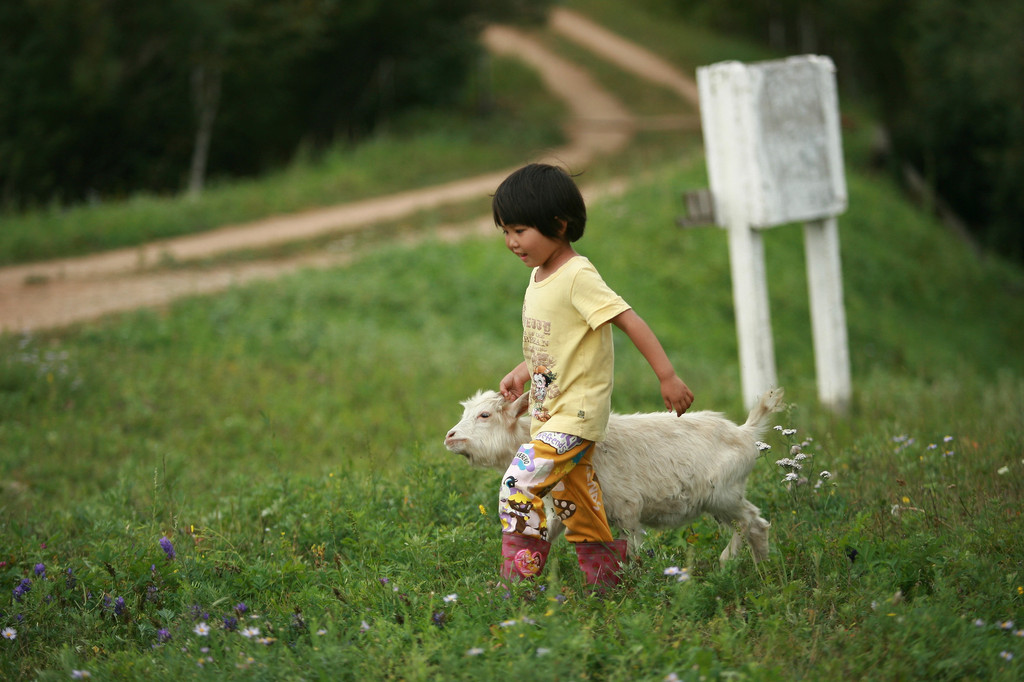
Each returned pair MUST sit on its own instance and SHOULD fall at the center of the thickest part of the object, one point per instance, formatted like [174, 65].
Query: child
[567, 343]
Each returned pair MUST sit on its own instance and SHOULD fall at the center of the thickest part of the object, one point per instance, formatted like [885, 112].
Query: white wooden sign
[774, 156]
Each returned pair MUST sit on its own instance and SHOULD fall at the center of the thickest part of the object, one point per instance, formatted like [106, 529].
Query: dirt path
[61, 292]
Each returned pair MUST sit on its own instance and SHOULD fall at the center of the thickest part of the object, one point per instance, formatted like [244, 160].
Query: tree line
[107, 97]
[946, 78]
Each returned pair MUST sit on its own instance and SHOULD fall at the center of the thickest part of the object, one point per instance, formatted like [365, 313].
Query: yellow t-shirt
[568, 347]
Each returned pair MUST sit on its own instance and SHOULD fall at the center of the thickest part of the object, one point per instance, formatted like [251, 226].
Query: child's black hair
[541, 196]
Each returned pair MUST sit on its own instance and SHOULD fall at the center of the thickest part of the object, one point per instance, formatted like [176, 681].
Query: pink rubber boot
[523, 556]
[601, 561]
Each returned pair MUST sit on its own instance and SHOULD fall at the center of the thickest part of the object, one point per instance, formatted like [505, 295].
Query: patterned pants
[559, 464]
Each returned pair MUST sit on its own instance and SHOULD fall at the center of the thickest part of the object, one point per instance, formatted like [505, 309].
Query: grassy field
[253, 486]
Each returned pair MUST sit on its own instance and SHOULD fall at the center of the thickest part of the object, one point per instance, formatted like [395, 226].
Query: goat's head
[490, 430]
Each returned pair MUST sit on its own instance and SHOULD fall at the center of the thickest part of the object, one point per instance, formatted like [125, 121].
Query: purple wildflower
[241, 608]
[70, 581]
[119, 606]
[230, 623]
[298, 622]
[165, 544]
[24, 587]
[40, 570]
[163, 635]
[439, 618]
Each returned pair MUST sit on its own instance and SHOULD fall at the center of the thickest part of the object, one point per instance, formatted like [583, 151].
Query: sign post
[774, 156]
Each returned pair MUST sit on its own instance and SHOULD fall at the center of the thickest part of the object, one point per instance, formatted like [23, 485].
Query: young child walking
[568, 311]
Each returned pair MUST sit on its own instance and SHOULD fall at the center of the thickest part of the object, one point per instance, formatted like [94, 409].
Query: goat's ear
[521, 404]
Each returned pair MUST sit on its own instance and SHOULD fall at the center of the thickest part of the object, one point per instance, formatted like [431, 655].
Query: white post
[828, 314]
[774, 156]
[753, 318]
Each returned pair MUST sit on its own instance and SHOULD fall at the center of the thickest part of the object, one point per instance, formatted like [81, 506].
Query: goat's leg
[757, 532]
[555, 525]
[747, 525]
[732, 549]
[634, 538]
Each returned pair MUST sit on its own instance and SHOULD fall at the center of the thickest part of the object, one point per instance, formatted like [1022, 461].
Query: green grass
[286, 437]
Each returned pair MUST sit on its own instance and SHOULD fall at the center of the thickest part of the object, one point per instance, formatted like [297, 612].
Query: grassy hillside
[286, 439]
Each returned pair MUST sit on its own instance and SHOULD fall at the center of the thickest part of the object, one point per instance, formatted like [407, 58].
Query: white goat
[655, 469]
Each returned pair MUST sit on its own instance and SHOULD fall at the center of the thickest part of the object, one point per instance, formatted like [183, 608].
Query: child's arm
[678, 397]
[511, 386]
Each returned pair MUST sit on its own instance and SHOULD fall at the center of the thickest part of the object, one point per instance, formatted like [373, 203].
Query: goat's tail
[769, 403]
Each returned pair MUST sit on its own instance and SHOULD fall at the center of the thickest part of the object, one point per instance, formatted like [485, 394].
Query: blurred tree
[107, 97]
[962, 123]
[947, 78]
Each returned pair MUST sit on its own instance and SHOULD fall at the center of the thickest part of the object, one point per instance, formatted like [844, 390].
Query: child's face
[532, 247]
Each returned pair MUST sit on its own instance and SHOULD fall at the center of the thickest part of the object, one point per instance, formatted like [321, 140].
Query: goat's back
[668, 468]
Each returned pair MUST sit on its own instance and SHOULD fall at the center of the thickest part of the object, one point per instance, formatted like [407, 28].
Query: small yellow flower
[1020, 589]
[482, 510]
[906, 500]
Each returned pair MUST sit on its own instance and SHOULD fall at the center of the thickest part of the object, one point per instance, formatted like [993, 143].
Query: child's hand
[511, 387]
[509, 390]
[677, 395]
